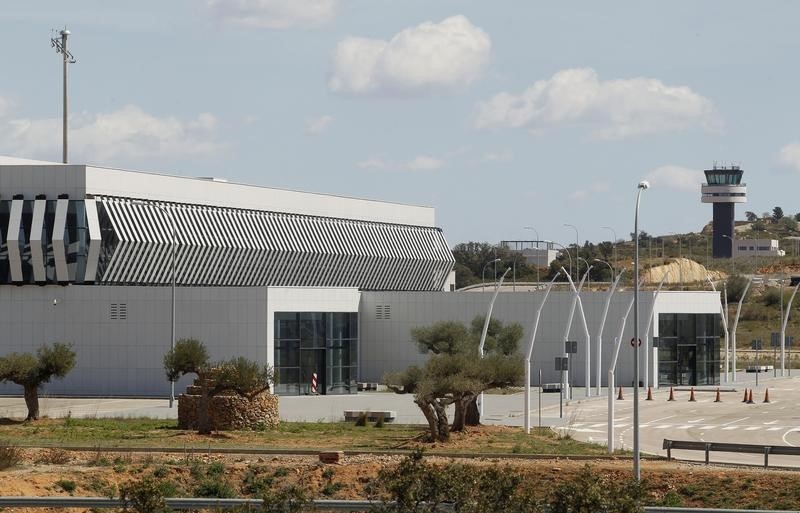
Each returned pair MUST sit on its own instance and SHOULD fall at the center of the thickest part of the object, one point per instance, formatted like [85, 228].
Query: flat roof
[29, 177]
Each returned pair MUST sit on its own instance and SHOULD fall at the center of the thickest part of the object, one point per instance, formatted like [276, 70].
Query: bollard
[691, 396]
[719, 398]
[750, 397]
[649, 394]
[671, 395]
[619, 395]
[766, 395]
[745, 396]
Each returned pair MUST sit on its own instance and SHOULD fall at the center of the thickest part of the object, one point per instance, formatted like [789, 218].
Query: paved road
[774, 423]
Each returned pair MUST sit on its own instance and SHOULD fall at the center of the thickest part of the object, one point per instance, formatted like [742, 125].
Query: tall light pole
[577, 263]
[733, 256]
[636, 473]
[173, 243]
[483, 273]
[613, 244]
[61, 47]
[565, 251]
[537, 249]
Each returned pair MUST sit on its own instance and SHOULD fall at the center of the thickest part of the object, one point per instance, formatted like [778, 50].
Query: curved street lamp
[577, 263]
[613, 242]
[565, 251]
[636, 473]
[483, 273]
[613, 274]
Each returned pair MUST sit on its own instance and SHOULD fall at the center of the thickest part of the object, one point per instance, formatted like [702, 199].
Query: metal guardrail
[182, 503]
[708, 447]
[659, 509]
[320, 505]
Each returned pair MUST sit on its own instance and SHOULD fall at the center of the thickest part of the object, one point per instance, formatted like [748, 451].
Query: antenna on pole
[61, 47]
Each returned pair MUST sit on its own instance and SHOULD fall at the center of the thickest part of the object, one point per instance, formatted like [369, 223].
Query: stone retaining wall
[230, 412]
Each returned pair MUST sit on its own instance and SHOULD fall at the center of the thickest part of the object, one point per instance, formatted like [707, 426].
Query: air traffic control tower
[723, 188]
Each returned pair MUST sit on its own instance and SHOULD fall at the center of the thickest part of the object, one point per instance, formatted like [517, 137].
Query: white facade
[757, 247]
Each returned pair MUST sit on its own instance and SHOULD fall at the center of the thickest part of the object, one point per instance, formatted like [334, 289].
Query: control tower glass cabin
[723, 188]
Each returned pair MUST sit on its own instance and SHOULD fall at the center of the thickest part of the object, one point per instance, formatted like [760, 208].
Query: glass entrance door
[312, 361]
[687, 370]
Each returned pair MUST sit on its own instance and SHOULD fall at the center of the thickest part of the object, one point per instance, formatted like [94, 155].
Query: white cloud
[318, 125]
[275, 14]
[373, 163]
[676, 178]
[498, 156]
[789, 156]
[425, 163]
[430, 56]
[594, 189]
[613, 109]
[125, 133]
[419, 163]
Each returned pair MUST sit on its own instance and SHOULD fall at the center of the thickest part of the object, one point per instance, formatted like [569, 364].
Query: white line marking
[659, 420]
[778, 428]
[707, 427]
[599, 424]
[752, 428]
[786, 433]
[695, 420]
[735, 421]
[730, 428]
[663, 426]
[771, 422]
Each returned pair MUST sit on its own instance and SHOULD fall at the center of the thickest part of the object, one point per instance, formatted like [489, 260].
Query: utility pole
[61, 47]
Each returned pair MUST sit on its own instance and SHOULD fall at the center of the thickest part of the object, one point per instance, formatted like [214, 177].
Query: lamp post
[565, 251]
[613, 244]
[733, 255]
[636, 474]
[483, 273]
[588, 276]
[537, 249]
[610, 267]
[577, 263]
[173, 238]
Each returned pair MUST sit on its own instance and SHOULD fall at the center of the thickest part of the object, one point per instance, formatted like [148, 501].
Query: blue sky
[499, 114]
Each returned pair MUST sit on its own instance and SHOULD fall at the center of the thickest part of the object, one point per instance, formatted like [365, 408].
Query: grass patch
[110, 433]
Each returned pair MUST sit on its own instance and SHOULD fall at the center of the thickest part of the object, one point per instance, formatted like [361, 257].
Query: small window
[118, 311]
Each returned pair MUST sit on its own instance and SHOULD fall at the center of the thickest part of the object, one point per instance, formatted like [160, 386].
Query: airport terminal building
[310, 283]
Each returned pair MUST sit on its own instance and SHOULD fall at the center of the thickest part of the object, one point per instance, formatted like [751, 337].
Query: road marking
[695, 420]
[735, 421]
[659, 420]
[599, 424]
[663, 426]
[728, 428]
[752, 428]
[786, 433]
[707, 427]
[685, 426]
[778, 428]
[579, 424]
[771, 422]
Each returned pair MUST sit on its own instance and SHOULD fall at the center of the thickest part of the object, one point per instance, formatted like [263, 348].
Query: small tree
[239, 375]
[456, 374]
[31, 372]
[777, 213]
[750, 216]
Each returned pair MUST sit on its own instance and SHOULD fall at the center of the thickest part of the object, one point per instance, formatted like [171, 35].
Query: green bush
[590, 491]
[144, 496]
[215, 486]
[66, 485]
[290, 499]
[361, 421]
[10, 456]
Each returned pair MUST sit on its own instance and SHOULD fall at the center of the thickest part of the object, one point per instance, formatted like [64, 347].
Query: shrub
[379, 422]
[54, 456]
[290, 499]
[253, 483]
[216, 487]
[735, 288]
[10, 456]
[145, 496]
[66, 485]
[590, 491]
[361, 421]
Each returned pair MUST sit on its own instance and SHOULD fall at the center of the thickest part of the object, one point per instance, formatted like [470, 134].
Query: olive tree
[32, 371]
[239, 375]
[455, 374]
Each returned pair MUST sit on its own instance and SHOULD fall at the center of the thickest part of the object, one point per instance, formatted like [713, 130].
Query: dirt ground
[53, 472]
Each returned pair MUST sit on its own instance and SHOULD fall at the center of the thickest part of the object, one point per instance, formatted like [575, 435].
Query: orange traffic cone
[766, 396]
[671, 395]
[718, 399]
[750, 397]
[649, 394]
[619, 395]
[691, 396]
[745, 396]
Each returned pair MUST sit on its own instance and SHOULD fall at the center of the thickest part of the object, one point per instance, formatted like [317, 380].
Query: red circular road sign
[633, 342]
